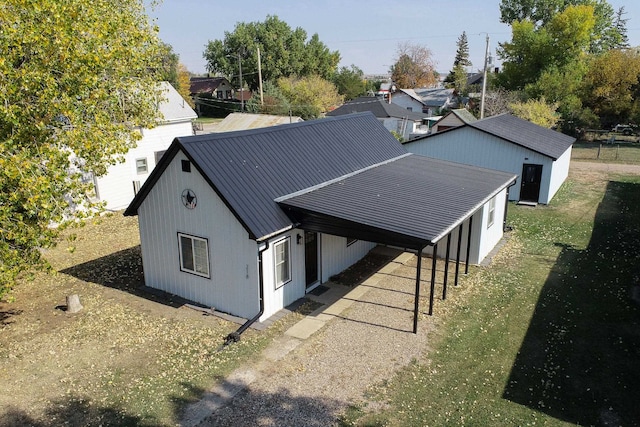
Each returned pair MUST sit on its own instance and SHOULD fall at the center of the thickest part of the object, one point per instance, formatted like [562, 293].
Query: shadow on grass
[71, 412]
[579, 359]
[248, 407]
[122, 270]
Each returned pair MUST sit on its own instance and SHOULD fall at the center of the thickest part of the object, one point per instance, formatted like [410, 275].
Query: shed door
[530, 186]
[311, 257]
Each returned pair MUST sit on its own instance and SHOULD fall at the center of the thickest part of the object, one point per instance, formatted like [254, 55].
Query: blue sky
[366, 33]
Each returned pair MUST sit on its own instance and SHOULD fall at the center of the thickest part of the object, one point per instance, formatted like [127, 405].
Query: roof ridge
[340, 178]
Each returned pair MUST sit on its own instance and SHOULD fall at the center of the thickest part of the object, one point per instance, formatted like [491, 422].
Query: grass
[547, 335]
[128, 358]
[623, 152]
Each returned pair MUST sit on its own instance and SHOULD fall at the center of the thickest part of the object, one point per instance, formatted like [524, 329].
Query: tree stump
[73, 303]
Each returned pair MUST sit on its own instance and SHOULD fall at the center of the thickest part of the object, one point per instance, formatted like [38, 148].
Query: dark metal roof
[249, 169]
[377, 106]
[411, 201]
[205, 84]
[526, 134]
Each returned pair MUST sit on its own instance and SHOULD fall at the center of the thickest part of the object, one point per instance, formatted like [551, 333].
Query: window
[282, 262]
[492, 212]
[136, 187]
[141, 166]
[186, 166]
[219, 94]
[351, 241]
[194, 255]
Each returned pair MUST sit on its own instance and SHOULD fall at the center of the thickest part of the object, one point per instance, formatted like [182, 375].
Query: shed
[243, 121]
[539, 156]
[250, 221]
[452, 119]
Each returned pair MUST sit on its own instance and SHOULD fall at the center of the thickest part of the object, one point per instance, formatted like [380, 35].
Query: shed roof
[243, 121]
[526, 134]
[377, 106]
[205, 84]
[345, 170]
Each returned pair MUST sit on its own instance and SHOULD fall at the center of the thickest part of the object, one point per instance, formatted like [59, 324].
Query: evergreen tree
[457, 77]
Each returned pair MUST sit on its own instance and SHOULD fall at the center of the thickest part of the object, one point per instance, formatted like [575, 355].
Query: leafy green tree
[350, 82]
[184, 84]
[457, 77]
[76, 80]
[608, 32]
[169, 62]
[309, 96]
[537, 111]
[413, 67]
[274, 101]
[284, 52]
[610, 85]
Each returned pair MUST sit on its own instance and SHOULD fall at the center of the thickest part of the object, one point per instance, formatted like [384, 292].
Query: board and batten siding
[277, 299]
[233, 257]
[471, 147]
[115, 188]
[336, 256]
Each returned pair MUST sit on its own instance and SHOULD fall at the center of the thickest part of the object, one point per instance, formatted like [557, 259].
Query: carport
[411, 202]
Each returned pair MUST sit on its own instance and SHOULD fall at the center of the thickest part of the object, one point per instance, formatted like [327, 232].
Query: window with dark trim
[186, 166]
[194, 255]
[282, 262]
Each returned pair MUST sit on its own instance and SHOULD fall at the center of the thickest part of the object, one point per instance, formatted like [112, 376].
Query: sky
[365, 32]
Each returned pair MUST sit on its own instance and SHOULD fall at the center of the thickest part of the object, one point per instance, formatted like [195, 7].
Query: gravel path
[605, 167]
[311, 382]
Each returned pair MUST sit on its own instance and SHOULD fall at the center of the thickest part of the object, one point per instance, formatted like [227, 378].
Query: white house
[539, 156]
[250, 221]
[429, 101]
[123, 180]
[406, 123]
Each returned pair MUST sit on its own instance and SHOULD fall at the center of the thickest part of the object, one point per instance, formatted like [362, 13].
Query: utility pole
[484, 79]
[242, 89]
[260, 77]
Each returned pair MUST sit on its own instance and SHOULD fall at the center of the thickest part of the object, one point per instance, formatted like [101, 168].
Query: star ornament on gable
[189, 199]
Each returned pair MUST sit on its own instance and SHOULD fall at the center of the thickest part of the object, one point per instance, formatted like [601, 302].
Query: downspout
[235, 336]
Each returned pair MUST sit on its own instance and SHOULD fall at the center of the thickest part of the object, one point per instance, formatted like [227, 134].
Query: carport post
[433, 277]
[416, 303]
[466, 267]
[455, 283]
[446, 267]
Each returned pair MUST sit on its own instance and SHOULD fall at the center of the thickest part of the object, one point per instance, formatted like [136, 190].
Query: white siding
[337, 256]
[471, 147]
[559, 174]
[116, 187]
[276, 299]
[233, 286]
[405, 101]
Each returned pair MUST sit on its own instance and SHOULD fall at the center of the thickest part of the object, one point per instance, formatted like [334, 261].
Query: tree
[350, 82]
[537, 111]
[610, 85]
[169, 61]
[184, 84]
[76, 78]
[309, 96]
[413, 67]
[284, 52]
[607, 33]
[274, 101]
[457, 77]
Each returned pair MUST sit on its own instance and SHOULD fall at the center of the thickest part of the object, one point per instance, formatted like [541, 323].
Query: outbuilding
[539, 156]
[250, 221]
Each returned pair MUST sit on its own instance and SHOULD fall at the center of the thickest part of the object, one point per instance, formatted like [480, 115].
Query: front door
[530, 186]
[311, 257]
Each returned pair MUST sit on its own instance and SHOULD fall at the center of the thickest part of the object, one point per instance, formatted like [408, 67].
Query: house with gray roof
[430, 101]
[250, 221]
[395, 118]
[539, 156]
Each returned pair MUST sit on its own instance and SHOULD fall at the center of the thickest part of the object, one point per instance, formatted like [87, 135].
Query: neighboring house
[539, 156]
[395, 118]
[244, 121]
[214, 87]
[453, 118]
[123, 180]
[428, 101]
[250, 221]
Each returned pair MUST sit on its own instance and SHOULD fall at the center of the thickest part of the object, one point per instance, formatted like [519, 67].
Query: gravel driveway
[311, 382]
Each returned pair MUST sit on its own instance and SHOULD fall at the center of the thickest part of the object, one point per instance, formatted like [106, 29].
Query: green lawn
[622, 152]
[547, 335]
